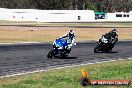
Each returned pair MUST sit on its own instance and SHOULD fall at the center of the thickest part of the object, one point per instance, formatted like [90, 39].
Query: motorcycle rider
[107, 42]
[70, 38]
[111, 36]
[113, 33]
[62, 50]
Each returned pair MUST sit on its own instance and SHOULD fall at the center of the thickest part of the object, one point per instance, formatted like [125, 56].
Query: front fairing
[104, 40]
[60, 43]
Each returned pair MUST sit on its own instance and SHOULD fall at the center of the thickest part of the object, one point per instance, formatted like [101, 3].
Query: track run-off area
[22, 58]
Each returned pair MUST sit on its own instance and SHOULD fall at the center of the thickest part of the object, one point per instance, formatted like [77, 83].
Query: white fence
[59, 15]
[47, 15]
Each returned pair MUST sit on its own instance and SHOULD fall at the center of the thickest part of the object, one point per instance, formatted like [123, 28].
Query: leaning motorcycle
[105, 45]
[60, 49]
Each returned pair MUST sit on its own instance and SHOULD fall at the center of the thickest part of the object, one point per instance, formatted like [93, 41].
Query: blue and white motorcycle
[60, 48]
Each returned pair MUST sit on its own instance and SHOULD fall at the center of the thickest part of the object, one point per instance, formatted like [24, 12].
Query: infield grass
[69, 77]
[12, 34]
[96, 24]
[46, 32]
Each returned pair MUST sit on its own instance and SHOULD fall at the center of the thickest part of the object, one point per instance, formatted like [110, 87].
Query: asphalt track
[30, 57]
[68, 26]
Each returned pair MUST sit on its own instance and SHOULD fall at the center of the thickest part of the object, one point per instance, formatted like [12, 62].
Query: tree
[96, 5]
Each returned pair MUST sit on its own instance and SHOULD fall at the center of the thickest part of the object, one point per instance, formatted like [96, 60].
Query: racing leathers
[111, 36]
[70, 38]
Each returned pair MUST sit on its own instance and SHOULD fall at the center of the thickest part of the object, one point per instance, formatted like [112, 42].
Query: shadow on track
[109, 52]
[69, 58]
[63, 58]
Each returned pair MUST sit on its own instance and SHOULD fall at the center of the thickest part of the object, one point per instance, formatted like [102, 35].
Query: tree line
[96, 5]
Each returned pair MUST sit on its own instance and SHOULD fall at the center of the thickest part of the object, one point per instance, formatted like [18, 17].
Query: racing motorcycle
[60, 49]
[105, 45]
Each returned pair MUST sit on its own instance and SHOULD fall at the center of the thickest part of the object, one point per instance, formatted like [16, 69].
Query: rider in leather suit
[70, 38]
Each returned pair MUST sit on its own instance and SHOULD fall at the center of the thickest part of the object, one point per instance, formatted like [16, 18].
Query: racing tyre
[51, 53]
[96, 49]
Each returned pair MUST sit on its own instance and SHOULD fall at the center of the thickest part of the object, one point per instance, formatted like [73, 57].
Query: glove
[75, 43]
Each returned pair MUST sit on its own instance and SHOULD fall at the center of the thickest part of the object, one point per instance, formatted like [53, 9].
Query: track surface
[68, 26]
[29, 57]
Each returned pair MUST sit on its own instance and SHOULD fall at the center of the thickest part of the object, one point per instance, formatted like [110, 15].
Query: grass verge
[96, 24]
[11, 34]
[69, 77]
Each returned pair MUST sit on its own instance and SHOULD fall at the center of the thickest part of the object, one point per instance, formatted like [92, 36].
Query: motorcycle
[105, 45]
[60, 49]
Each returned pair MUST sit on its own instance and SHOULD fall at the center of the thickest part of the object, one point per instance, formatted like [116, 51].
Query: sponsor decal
[84, 81]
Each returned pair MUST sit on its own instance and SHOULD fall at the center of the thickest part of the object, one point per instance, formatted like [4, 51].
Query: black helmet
[71, 33]
[114, 30]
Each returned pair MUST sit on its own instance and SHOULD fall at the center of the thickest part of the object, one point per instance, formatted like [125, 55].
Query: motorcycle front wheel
[51, 53]
[96, 49]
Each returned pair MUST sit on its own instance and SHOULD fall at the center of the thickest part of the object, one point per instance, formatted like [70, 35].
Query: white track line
[60, 67]
[20, 43]
[129, 58]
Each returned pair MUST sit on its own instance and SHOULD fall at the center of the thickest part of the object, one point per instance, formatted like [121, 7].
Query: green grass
[16, 34]
[69, 77]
